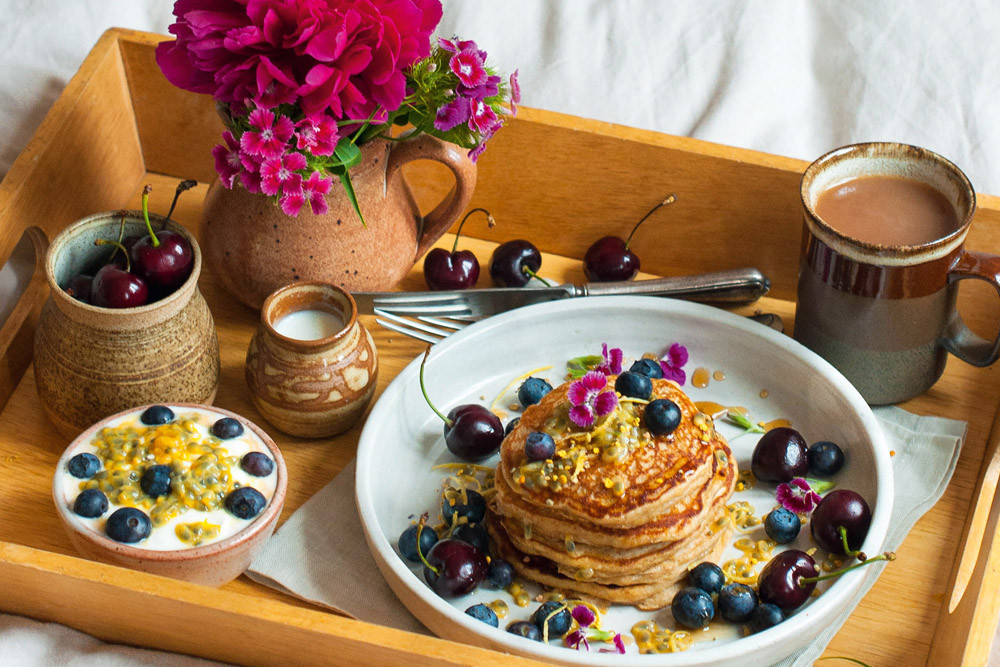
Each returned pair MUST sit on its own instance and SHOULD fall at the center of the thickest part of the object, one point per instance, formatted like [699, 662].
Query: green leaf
[820, 486]
[345, 180]
[578, 366]
[348, 153]
[741, 420]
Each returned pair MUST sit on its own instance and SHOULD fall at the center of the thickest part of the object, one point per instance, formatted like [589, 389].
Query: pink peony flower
[797, 496]
[227, 160]
[269, 136]
[591, 399]
[277, 171]
[318, 135]
[672, 363]
[468, 67]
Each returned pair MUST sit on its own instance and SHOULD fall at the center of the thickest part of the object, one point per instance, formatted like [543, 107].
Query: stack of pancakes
[618, 514]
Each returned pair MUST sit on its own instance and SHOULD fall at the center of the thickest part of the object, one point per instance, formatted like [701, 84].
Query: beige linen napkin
[320, 553]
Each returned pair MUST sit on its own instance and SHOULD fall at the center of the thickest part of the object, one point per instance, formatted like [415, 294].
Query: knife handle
[733, 286]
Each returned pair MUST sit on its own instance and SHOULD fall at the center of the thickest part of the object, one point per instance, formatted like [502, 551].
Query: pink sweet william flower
[672, 363]
[452, 114]
[797, 496]
[292, 196]
[612, 364]
[468, 67]
[276, 172]
[269, 134]
[585, 618]
[479, 148]
[313, 189]
[591, 398]
[515, 93]
[227, 160]
[455, 45]
[318, 135]
[483, 118]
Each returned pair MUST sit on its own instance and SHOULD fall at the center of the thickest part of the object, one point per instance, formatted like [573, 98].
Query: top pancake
[617, 474]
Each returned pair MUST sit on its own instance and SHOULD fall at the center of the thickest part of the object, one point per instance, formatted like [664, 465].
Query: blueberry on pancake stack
[617, 513]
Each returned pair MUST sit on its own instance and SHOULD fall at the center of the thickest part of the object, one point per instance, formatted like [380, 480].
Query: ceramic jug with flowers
[310, 91]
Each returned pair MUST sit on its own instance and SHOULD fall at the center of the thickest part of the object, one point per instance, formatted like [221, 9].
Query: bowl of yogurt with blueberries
[182, 490]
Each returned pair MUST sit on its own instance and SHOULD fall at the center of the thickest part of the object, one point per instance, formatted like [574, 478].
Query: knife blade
[733, 287]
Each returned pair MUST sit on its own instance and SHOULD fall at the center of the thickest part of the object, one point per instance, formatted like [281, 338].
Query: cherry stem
[420, 528]
[853, 553]
[119, 246]
[490, 222]
[671, 198]
[183, 186]
[887, 556]
[423, 390]
[145, 214]
[121, 236]
[527, 271]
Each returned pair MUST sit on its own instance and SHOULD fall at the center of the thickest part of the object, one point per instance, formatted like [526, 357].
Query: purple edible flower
[277, 171]
[591, 398]
[672, 363]
[270, 135]
[612, 360]
[585, 618]
[454, 113]
[468, 67]
[797, 496]
[227, 160]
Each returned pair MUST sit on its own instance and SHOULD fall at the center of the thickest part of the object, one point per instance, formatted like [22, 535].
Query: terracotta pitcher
[253, 248]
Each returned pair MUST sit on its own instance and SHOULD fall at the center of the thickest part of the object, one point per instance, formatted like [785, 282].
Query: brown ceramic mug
[877, 300]
[313, 386]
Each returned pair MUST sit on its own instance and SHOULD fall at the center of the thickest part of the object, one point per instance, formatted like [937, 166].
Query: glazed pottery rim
[259, 523]
[920, 251]
[62, 239]
[317, 343]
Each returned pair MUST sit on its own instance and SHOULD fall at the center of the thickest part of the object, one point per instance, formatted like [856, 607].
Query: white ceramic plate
[402, 440]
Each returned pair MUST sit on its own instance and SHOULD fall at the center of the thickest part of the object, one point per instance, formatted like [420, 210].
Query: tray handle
[17, 333]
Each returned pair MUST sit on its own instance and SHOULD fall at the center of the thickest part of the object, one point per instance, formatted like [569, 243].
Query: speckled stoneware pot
[884, 315]
[210, 565]
[91, 362]
[253, 248]
[312, 388]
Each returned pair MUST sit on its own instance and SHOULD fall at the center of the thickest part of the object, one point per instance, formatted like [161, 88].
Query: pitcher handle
[444, 215]
[959, 339]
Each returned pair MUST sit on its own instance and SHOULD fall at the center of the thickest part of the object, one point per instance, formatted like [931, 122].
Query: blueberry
[84, 466]
[634, 385]
[525, 629]
[765, 616]
[708, 577]
[539, 446]
[245, 502]
[648, 367]
[90, 504]
[511, 425]
[474, 510]
[501, 574]
[155, 482]
[408, 542]
[825, 458]
[556, 616]
[532, 390]
[227, 428]
[481, 612]
[128, 525]
[692, 608]
[782, 525]
[257, 464]
[662, 416]
[474, 534]
[737, 602]
[156, 415]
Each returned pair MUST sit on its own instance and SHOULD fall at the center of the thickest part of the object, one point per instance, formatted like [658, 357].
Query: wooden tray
[558, 180]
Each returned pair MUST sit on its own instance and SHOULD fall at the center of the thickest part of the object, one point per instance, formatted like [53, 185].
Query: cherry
[609, 258]
[164, 261]
[840, 523]
[458, 269]
[78, 287]
[114, 287]
[454, 568]
[514, 263]
[471, 431]
[780, 456]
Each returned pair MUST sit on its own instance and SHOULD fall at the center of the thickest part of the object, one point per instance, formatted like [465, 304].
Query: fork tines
[425, 328]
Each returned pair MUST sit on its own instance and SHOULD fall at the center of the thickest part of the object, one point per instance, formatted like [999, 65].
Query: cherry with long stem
[886, 556]
[611, 259]
[458, 269]
[670, 199]
[145, 215]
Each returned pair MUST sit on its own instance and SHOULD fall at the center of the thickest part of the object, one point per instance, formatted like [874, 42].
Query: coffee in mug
[882, 254]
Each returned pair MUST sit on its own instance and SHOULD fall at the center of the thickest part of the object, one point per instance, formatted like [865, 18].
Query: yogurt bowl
[180, 490]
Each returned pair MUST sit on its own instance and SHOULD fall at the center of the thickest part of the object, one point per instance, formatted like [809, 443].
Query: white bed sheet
[788, 77]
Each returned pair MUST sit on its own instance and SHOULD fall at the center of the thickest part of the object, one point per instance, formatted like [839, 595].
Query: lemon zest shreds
[510, 385]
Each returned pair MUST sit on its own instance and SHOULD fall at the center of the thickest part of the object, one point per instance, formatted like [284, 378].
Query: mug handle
[444, 215]
[959, 339]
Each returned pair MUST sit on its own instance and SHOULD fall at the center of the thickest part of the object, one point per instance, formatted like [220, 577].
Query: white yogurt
[309, 325]
[164, 537]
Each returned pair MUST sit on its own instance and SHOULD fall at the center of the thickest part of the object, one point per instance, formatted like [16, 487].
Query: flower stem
[423, 390]
[119, 246]
[671, 198]
[489, 221]
[145, 214]
[887, 556]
